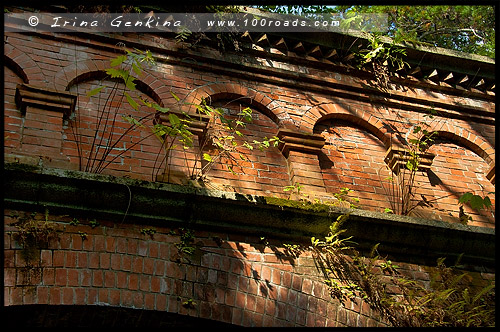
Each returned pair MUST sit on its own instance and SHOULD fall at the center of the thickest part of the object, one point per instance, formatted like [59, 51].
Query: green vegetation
[469, 29]
[451, 299]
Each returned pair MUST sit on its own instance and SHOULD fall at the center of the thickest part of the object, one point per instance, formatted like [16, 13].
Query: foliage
[224, 138]
[104, 143]
[185, 246]
[402, 188]
[451, 299]
[468, 29]
[384, 59]
[148, 231]
[343, 196]
[34, 234]
[476, 202]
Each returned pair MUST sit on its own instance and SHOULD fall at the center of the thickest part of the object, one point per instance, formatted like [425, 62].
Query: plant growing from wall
[104, 144]
[450, 300]
[224, 137]
[476, 202]
[385, 59]
[404, 167]
[33, 235]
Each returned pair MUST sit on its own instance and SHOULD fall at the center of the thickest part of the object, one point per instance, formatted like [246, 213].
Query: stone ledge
[135, 201]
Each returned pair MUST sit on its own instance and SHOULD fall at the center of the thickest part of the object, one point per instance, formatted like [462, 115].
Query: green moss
[302, 205]
[21, 167]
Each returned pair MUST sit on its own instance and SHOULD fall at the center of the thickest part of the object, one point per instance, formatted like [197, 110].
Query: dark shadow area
[75, 316]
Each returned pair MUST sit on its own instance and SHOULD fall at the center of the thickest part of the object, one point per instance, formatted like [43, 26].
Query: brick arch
[471, 141]
[21, 64]
[101, 74]
[95, 69]
[257, 99]
[369, 123]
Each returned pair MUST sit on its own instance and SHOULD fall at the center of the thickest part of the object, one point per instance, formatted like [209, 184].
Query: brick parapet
[301, 100]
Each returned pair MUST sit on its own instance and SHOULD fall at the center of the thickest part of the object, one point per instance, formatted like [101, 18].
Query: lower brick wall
[230, 278]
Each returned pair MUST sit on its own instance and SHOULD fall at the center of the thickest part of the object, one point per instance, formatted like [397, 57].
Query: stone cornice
[128, 200]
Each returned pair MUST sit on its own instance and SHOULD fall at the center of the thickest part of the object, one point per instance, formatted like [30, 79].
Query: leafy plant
[384, 59]
[402, 188]
[105, 143]
[34, 234]
[343, 196]
[225, 139]
[148, 231]
[186, 240]
[450, 300]
[296, 188]
[476, 202]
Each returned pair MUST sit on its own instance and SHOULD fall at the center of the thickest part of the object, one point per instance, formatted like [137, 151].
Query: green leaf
[160, 109]
[95, 91]
[132, 120]
[137, 69]
[487, 202]
[129, 83]
[207, 157]
[131, 101]
[118, 60]
[174, 119]
[231, 170]
[114, 73]
[465, 198]
[476, 202]
[175, 96]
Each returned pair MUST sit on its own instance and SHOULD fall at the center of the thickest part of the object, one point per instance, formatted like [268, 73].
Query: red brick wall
[237, 281]
[66, 67]
[232, 278]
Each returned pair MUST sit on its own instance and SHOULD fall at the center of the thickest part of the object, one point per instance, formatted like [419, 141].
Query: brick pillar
[301, 150]
[44, 110]
[197, 125]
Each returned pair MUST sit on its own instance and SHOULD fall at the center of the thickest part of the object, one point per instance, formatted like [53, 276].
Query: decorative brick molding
[397, 157]
[28, 95]
[299, 141]
[44, 111]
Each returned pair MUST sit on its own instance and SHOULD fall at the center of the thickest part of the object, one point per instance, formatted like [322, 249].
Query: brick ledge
[102, 196]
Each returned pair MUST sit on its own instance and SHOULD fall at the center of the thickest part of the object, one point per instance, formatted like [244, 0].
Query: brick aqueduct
[117, 258]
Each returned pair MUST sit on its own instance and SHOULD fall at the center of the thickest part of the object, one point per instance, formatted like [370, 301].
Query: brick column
[44, 110]
[197, 125]
[301, 150]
